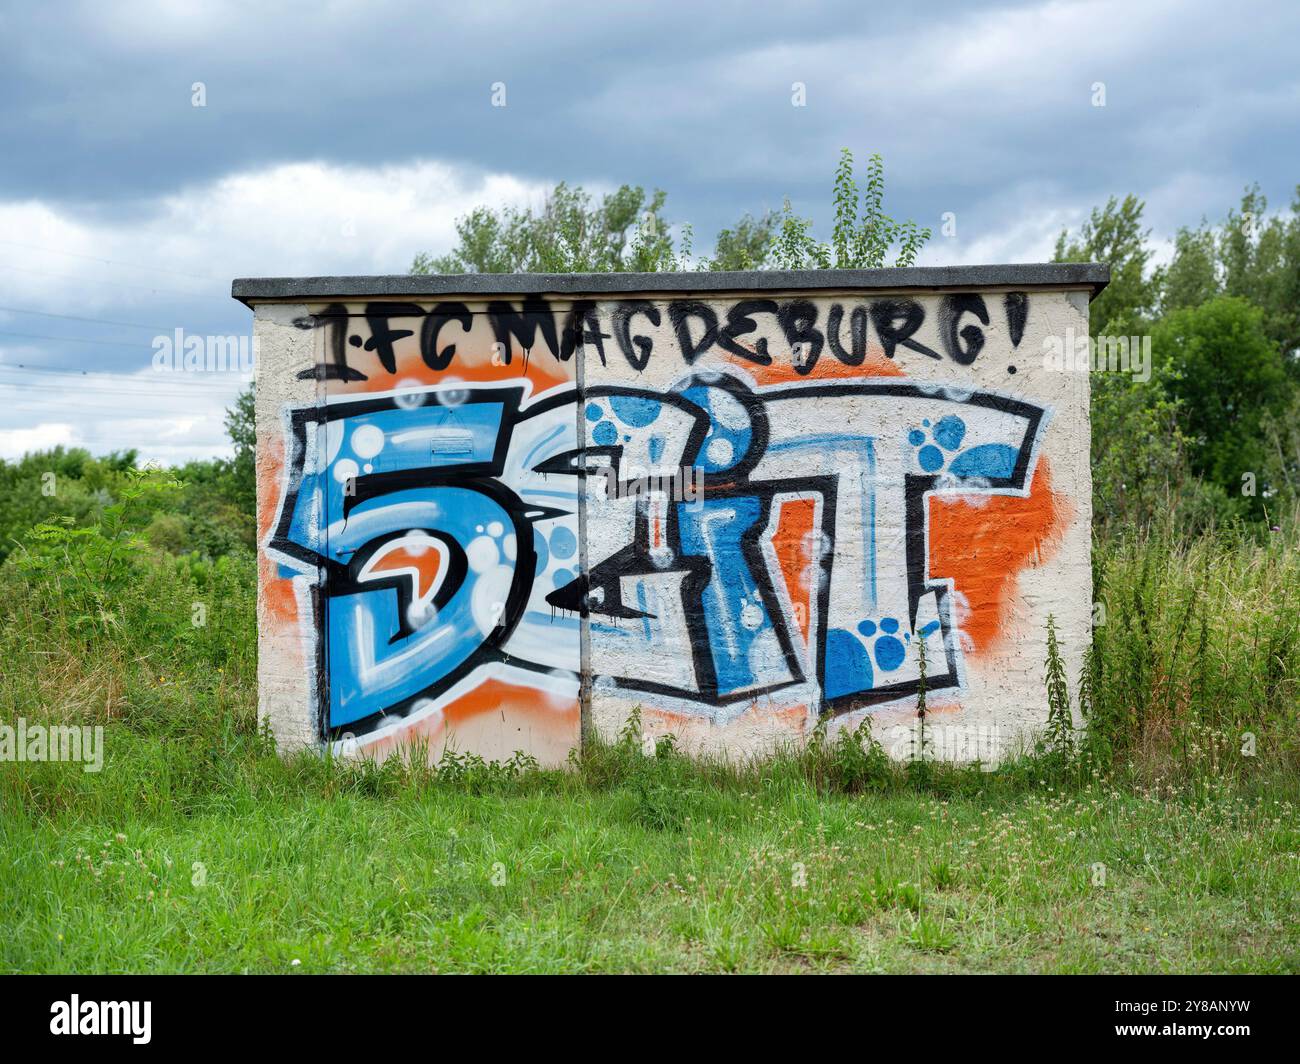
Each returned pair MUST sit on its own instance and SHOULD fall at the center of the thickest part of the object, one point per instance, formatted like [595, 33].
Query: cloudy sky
[344, 137]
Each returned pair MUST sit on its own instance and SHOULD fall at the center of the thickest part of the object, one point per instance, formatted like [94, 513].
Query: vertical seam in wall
[320, 600]
[259, 543]
[584, 620]
[1086, 496]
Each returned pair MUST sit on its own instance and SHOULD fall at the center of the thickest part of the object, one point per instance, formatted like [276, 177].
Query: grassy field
[315, 868]
[1155, 848]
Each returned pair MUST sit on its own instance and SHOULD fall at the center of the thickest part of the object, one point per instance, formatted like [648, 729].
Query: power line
[117, 444]
[92, 385]
[101, 343]
[104, 394]
[146, 391]
[101, 412]
[95, 321]
[143, 411]
[55, 370]
[100, 280]
[111, 262]
[62, 372]
[72, 340]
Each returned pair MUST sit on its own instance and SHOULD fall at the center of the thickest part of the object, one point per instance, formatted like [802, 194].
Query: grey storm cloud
[963, 100]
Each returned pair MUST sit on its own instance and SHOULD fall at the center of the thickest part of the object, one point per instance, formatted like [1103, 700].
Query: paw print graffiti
[939, 443]
[944, 449]
[888, 650]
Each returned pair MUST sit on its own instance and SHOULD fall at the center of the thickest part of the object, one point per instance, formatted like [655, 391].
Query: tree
[627, 231]
[1192, 276]
[241, 471]
[1140, 471]
[1227, 377]
[1138, 451]
[1282, 443]
[1250, 255]
[745, 247]
[568, 233]
[1113, 234]
[44, 485]
[862, 234]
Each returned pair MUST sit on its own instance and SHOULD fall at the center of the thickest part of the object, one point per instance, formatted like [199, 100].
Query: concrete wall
[489, 517]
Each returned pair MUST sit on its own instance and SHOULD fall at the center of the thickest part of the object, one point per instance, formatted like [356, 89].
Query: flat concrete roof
[251, 290]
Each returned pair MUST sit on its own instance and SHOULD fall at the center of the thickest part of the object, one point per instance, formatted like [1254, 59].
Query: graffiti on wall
[732, 504]
[436, 532]
[804, 558]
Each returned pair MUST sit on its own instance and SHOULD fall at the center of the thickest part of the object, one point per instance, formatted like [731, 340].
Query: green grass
[246, 863]
[197, 848]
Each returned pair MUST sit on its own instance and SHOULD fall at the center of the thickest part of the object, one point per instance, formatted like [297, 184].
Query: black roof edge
[1092, 275]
